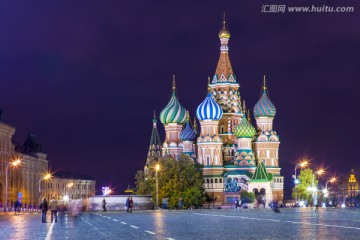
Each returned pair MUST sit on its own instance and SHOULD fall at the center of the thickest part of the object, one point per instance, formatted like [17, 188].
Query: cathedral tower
[209, 143]
[225, 89]
[173, 117]
[245, 132]
[266, 144]
[188, 136]
[155, 145]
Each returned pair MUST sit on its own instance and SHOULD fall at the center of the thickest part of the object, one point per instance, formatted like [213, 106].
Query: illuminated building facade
[73, 185]
[353, 185]
[235, 155]
[28, 178]
[23, 179]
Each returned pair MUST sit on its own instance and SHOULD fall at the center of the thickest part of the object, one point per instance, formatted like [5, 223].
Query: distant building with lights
[23, 179]
[353, 185]
[235, 155]
[73, 185]
[27, 179]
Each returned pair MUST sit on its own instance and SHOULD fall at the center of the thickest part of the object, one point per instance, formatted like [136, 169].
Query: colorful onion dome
[173, 112]
[264, 107]
[224, 33]
[187, 134]
[209, 109]
[244, 129]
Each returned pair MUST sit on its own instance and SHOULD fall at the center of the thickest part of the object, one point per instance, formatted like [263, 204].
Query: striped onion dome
[173, 112]
[187, 134]
[209, 109]
[244, 129]
[264, 107]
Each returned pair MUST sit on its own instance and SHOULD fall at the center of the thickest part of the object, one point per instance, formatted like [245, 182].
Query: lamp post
[66, 197]
[157, 168]
[325, 191]
[302, 164]
[330, 180]
[46, 177]
[13, 164]
[69, 186]
[318, 172]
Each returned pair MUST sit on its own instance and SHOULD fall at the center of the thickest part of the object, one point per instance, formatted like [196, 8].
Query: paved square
[297, 223]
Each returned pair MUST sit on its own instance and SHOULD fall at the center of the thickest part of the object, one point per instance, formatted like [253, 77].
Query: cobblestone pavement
[298, 223]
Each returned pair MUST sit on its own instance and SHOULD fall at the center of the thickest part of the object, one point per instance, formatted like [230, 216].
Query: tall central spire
[154, 151]
[224, 72]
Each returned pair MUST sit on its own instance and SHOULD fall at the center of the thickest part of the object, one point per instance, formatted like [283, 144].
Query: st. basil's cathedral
[235, 155]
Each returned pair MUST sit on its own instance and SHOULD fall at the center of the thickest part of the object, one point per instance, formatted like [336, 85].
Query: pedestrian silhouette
[53, 209]
[131, 204]
[44, 208]
[127, 204]
[104, 205]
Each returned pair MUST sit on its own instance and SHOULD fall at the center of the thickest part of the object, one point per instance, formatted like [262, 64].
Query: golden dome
[224, 33]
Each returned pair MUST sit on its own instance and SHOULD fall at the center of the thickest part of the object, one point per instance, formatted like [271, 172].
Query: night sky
[86, 76]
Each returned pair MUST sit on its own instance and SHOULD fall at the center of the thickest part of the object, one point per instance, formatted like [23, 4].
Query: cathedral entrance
[260, 196]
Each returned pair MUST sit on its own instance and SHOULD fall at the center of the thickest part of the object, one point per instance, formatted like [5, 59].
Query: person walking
[104, 205]
[127, 204]
[316, 202]
[131, 204]
[16, 204]
[44, 208]
[53, 209]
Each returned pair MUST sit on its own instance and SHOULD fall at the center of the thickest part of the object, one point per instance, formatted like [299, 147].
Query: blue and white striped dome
[187, 134]
[209, 109]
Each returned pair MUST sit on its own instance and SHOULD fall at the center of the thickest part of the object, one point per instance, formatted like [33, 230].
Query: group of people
[45, 206]
[53, 207]
[18, 205]
[129, 205]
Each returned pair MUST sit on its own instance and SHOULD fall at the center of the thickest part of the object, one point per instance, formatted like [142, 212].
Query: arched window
[222, 128]
[211, 180]
[207, 180]
[216, 181]
[220, 180]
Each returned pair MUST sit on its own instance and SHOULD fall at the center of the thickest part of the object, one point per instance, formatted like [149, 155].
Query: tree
[177, 179]
[247, 197]
[305, 181]
[144, 185]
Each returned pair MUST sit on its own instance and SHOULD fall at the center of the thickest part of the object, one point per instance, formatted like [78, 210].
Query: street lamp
[302, 164]
[12, 164]
[325, 191]
[46, 177]
[318, 172]
[66, 197]
[314, 189]
[69, 186]
[157, 168]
